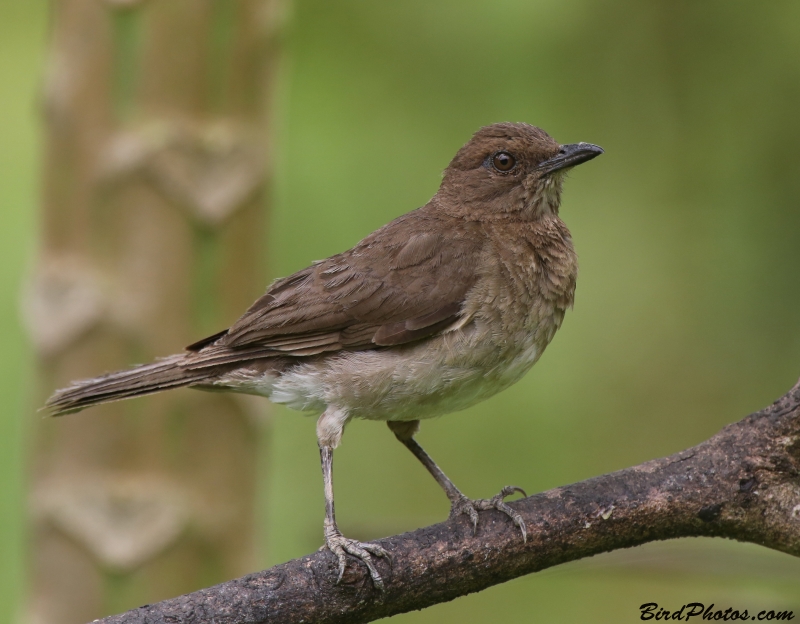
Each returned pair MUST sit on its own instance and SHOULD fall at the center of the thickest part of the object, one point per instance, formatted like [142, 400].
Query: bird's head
[510, 170]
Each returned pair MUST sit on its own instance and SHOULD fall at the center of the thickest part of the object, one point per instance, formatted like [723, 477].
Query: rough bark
[743, 484]
[152, 236]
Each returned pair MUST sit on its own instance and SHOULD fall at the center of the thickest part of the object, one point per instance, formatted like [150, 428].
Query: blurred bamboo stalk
[153, 229]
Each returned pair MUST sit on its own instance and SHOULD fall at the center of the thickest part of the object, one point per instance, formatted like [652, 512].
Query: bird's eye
[503, 161]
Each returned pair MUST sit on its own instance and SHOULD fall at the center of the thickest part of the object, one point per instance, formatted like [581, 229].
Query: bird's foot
[470, 508]
[342, 546]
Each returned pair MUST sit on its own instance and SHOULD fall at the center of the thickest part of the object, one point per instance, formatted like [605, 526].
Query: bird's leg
[334, 540]
[459, 503]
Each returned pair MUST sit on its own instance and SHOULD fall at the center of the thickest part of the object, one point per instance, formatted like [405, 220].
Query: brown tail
[162, 374]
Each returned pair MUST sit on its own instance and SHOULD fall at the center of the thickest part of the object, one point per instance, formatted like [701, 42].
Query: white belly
[417, 381]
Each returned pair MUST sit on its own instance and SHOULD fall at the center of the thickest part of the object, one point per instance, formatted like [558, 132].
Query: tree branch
[743, 483]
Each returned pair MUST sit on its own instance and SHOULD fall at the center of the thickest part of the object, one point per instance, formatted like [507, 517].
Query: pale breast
[525, 285]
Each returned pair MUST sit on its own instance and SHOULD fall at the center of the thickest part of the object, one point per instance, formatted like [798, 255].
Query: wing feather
[404, 282]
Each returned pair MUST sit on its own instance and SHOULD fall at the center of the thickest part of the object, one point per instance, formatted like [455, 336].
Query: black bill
[569, 156]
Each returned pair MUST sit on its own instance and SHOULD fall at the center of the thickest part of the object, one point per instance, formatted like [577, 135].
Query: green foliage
[21, 58]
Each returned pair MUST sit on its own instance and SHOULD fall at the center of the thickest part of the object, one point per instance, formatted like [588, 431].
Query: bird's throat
[544, 198]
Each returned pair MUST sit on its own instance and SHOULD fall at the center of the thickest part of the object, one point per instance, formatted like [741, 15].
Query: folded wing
[404, 282]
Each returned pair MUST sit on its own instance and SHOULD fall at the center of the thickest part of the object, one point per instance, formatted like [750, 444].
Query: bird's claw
[470, 508]
[342, 546]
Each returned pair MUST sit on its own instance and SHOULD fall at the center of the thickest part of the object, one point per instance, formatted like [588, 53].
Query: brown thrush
[441, 308]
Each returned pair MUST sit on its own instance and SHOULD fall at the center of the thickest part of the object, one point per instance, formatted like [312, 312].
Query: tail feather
[162, 374]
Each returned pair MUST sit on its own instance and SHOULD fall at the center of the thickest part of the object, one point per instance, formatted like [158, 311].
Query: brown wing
[402, 283]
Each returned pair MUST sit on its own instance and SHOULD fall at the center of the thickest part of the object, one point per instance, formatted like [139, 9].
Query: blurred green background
[688, 229]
